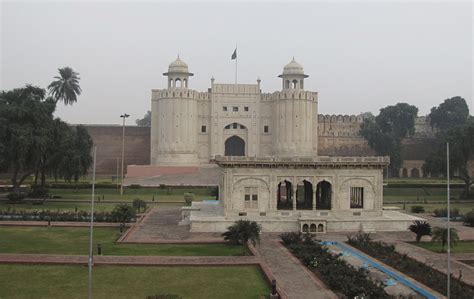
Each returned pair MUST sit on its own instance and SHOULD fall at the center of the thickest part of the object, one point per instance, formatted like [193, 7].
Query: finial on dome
[293, 60]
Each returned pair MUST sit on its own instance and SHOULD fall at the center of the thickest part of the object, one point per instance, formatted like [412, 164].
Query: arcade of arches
[307, 197]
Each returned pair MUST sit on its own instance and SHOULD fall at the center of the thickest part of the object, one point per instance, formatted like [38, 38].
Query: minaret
[174, 120]
[294, 109]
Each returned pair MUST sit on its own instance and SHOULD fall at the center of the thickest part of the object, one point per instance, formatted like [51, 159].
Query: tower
[294, 112]
[174, 114]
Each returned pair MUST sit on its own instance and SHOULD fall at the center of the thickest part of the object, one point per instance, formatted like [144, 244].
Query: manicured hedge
[411, 267]
[336, 273]
[45, 215]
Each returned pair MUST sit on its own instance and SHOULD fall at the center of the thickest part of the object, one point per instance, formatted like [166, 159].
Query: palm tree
[441, 235]
[420, 228]
[241, 232]
[66, 87]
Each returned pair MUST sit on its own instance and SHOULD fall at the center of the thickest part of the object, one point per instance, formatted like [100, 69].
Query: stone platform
[210, 217]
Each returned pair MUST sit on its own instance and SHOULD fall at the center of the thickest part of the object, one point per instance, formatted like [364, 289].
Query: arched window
[285, 196]
[294, 84]
[178, 82]
[185, 83]
[287, 84]
[304, 195]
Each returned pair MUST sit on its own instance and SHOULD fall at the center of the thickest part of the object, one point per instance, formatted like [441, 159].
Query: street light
[124, 116]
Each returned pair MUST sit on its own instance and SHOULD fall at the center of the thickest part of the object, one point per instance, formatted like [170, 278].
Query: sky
[360, 56]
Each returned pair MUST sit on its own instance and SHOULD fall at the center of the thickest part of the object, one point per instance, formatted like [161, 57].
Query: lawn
[460, 247]
[59, 206]
[34, 281]
[130, 194]
[430, 207]
[418, 195]
[74, 241]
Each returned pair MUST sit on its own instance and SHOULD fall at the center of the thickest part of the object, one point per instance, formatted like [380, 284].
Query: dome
[178, 66]
[293, 68]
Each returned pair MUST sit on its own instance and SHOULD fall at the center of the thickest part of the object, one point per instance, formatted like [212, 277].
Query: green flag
[234, 55]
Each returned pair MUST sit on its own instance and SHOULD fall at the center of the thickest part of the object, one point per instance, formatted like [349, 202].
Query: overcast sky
[361, 56]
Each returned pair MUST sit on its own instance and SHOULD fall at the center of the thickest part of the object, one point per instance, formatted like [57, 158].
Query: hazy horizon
[360, 56]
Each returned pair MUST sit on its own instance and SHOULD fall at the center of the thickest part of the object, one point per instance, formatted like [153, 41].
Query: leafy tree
[440, 234]
[385, 132]
[456, 127]
[66, 87]
[23, 113]
[241, 232]
[145, 121]
[452, 112]
[138, 204]
[420, 228]
[123, 213]
[468, 218]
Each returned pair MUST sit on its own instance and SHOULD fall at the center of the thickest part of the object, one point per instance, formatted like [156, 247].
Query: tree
[420, 228]
[145, 121]
[23, 113]
[66, 87]
[440, 234]
[138, 204]
[451, 113]
[456, 127]
[241, 232]
[385, 132]
[123, 213]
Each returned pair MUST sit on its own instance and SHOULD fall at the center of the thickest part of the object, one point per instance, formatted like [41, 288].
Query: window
[357, 197]
[251, 197]
[246, 109]
[203, 129]
[227, 127]
[265, 129]
[235, 109]
[235, 125]
[224, 108]
[242, 127]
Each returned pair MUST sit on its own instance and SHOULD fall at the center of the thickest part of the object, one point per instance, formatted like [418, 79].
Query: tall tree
[385, 132]
[23, 113]
[145, 121]
[451, 113]
[66, 86]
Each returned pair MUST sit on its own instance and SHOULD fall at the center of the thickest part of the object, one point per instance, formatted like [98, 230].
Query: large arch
[415, 173]
[323, 195]
[304, 195]
[234, 146]
[404, 173]
[285, 196]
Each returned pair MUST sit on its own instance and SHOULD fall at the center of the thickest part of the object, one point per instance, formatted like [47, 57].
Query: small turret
[178, 74]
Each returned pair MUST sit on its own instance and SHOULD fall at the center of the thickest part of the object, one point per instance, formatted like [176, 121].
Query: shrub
[291, 238]
[39, 192]
[440, 234]
[123, 213]
[417, 209]
[135, 186]
[16, 196]
[241, 232]
[420, 228]
[188, 198]
[468, 219]
[164, 296]
[444, 212]
[139, 204]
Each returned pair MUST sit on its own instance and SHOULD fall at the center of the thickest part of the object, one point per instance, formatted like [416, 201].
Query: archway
[234, 146]
[323, 195]
[404, 173]
[415, 173]
[304, 195]
[285, 196]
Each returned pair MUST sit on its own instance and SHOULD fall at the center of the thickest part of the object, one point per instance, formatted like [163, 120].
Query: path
[294, 278]
[160, 225]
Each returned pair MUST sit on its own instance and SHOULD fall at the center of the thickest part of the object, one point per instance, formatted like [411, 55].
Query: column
[314, 198]
[294, 198]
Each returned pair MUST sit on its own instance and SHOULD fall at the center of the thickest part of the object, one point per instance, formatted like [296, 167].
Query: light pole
[124, 116]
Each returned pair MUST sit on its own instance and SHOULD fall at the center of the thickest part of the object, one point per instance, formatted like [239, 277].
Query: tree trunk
[418, 238]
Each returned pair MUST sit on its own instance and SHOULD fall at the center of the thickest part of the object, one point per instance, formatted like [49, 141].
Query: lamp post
[124, 116]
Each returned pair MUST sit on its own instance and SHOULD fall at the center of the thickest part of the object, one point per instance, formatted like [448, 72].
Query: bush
[188, 198]
[39, 192]
[468, 219]
[139, 204]
[42, 215]
[123, 213]
[444, 212]
[417, 209]
[164, 296]
[241, 232]
[420, 228]
[16, 196]
[135, 186]
[335, 272]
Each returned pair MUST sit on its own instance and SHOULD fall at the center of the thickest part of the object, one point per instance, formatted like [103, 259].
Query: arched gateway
[234, 146]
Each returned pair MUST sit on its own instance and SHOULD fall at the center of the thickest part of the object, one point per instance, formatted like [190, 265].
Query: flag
[234, 55]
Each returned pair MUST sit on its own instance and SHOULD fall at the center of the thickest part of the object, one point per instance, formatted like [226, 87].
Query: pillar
[294, 198]
[314, 198]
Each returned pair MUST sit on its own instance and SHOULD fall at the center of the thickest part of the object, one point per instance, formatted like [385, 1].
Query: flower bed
[334, 272]
[45, 215]
[411, 267]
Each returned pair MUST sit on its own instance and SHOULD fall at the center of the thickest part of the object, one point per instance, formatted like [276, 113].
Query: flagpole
[449, 226]
[236, 57]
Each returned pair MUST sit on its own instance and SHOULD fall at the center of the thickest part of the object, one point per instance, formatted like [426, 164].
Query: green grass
[59, 206]
[34, 281]
[418, 195]
[131, 194]
[74, 241]
[430, 207]
[460, 247]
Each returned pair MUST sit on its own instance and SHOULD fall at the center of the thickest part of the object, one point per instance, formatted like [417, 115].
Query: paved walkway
[160, 226]
[129, 260]
[294, 278]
